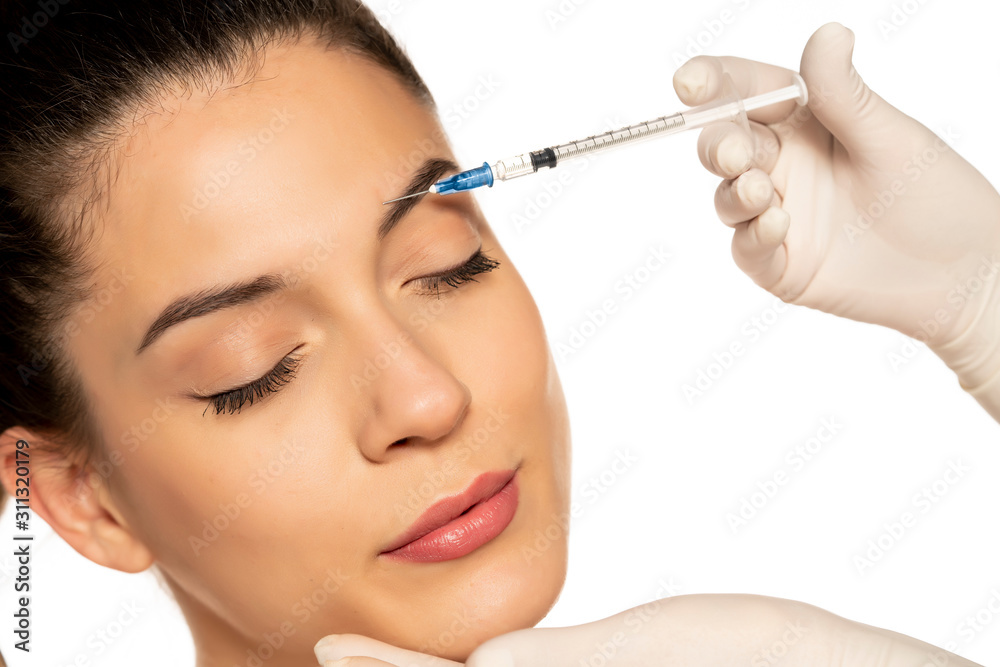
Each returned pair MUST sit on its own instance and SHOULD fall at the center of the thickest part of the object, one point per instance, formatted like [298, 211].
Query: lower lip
[465, 533]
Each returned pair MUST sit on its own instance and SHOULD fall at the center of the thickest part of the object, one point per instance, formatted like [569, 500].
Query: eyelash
[478, 263]
[233, 400]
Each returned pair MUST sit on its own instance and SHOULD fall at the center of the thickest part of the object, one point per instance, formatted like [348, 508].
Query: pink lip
[443, 532]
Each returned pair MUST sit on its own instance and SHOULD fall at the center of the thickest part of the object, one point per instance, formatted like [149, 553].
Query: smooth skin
[795, 194]
[267, 524]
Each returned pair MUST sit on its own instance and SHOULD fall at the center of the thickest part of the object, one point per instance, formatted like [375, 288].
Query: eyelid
[283, 372]
[454, 278]
[450, 269]
[247, 384]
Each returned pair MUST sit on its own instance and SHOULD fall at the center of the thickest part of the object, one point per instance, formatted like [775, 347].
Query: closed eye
[456, 276]
[233, 400]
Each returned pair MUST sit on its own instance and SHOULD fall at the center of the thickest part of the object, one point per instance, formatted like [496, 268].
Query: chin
[508, 594]
[454, 606]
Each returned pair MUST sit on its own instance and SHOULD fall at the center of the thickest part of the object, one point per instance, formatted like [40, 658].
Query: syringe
[728, 107]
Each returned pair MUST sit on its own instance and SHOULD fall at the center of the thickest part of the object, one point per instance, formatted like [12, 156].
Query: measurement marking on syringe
[729, 107]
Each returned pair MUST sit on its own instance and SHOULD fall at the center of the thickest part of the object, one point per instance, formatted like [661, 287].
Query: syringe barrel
[625, 135]
[512, 167]
[727, 108]
[710, 113]
[529, 163]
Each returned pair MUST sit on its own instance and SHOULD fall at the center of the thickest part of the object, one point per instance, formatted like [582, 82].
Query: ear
[76, 503]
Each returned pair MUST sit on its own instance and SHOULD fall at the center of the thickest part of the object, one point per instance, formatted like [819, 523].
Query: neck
[219, 644]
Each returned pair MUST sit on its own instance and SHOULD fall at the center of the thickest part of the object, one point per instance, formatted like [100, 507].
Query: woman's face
[269, 522]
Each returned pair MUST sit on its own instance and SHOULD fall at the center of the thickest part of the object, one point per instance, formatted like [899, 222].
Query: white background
[660, 526]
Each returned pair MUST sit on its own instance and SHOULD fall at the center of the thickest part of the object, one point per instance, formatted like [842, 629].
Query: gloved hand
[854, 208]
[680, 631]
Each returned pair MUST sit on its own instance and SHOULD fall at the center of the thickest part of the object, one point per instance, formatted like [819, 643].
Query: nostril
[400, 441]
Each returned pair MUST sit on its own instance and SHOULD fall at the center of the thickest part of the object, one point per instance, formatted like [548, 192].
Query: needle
[416, 194]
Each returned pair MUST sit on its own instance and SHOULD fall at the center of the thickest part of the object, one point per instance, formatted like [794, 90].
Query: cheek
[194, 493]
[506, 361]
[245, 511]
[507, 346]
[526, 383]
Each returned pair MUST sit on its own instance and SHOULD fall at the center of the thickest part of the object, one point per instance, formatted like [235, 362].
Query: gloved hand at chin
[679, 631]
[851, 207]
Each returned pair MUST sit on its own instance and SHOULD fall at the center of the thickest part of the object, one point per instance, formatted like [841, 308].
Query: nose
[413, 397]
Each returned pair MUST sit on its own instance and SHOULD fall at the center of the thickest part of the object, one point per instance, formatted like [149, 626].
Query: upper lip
[446, 509]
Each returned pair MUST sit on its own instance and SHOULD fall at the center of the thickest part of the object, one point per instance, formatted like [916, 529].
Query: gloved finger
[699, 80]
[758, 246]
[544, 647]
[678, 631]
[334, 647]
[726, 150]
[743, 197]
[844, 104]
[358, 661]
[767, 146]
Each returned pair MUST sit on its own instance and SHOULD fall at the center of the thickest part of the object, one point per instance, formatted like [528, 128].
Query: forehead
[229, 185]
[304, 96]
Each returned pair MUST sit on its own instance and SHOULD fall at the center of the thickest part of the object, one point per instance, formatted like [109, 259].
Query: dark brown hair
[74, 74]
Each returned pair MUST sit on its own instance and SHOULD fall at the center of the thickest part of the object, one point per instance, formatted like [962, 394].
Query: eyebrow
[430, 172]
[213, 299]
[210, 300]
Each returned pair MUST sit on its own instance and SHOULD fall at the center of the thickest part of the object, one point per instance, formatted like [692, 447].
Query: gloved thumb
[838, 97]
[544, 647]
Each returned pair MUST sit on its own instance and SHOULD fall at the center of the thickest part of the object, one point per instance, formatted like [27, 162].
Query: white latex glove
[681, 631]
[856, 209]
